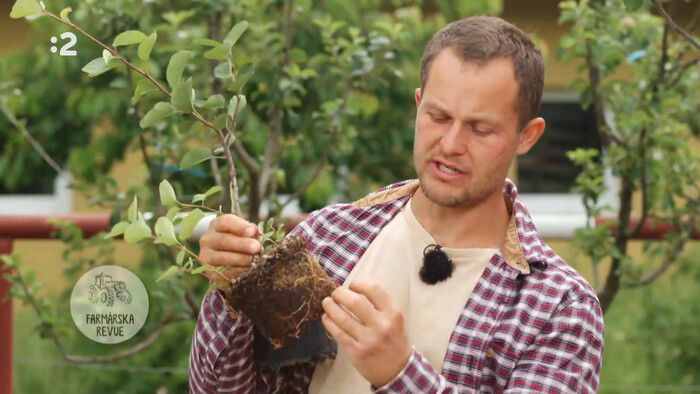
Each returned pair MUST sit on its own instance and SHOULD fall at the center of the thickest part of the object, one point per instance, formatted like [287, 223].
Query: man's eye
[439, 119]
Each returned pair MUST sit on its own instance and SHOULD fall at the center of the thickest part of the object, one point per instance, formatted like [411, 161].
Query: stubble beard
[463, 198]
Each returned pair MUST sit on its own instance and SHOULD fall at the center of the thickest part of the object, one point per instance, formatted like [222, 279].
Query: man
[504, 313]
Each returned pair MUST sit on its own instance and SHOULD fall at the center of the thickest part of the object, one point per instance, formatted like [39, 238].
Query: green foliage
[297, 88]
[648, 122]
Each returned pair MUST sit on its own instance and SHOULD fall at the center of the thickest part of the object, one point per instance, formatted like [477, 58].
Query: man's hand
[230, 242]
[374, 338]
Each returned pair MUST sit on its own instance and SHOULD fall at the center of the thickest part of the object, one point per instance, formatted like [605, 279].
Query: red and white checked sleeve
[221, 354]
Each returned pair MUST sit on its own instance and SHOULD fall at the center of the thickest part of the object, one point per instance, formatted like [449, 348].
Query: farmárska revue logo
[109, 304]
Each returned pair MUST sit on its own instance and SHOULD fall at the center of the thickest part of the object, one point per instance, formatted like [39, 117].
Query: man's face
[466, 130]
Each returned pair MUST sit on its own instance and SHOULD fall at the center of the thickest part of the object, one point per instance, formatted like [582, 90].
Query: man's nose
[453, 142]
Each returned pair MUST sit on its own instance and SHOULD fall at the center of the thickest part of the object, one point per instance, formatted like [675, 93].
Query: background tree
[641, 77]
[291, 96]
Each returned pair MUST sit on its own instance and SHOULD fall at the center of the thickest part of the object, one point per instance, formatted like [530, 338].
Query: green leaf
[199, 269]
[133, 211]
[244, 74]
[96, 67]
[220, 121]
[159, 112]
[181, 98]
[194, 157]
[223, 70]
[219, 52]
[203, 196]
[117, 229]
[23, 8]
[167, 194]
[235, 101]
[180, 257]
[176, 66]
[189, 222]
[207, 42]
[633, 5]
[64, 13]
[172, 212]
[146, 46]
[107, 56]
[165, 231]
[170, 272]
[215, 101]
[137, 231]
[129, 37]
[235, 34]
[143, 86]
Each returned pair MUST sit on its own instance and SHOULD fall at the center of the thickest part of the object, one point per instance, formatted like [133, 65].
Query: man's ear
[418, 93]
[529, 135]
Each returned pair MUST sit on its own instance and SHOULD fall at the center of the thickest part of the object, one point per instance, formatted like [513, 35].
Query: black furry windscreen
[437, 266]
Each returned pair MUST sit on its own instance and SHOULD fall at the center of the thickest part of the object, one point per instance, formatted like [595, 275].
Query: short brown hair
[480, 39]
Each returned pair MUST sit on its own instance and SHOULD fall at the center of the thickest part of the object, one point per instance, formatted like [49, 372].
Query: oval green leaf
[159, 112]
[195, 157]
[146, 46]
[137, 231]
[64, 13]
[129, 37]
[223, 70]
[170, 272]
[95, 67]
[235, 33]
[131, 214]
[199, 269]
[176, 66]
[165, 232]
[117, 229]
[23, 8]
[189, 222]
[181, 98]
[167, 194]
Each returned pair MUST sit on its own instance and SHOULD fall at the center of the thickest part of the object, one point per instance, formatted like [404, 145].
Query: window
[546, 175]
[37, 200]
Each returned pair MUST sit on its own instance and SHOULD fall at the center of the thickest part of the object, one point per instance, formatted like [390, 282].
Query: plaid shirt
[531, 324]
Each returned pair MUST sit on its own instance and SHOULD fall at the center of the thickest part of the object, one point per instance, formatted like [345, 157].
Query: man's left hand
[374, 338]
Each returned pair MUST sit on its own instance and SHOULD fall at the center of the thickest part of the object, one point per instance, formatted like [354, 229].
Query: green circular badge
[109, 304]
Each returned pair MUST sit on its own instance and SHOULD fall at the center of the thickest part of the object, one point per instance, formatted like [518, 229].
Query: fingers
[218, 258]
[380, 299]
[226, 242]
[342, 320]
[234, 225]
[356, 303]
[343, 338]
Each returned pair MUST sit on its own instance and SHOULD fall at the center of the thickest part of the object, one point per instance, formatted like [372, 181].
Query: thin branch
[671, 258]
[37, 147]
[681, 69]
[249, 163]
[673, 24]
[204, 207]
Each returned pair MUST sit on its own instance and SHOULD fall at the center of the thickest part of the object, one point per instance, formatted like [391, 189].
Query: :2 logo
[65, 48]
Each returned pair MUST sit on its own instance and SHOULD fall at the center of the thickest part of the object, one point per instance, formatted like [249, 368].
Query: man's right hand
[230, 242]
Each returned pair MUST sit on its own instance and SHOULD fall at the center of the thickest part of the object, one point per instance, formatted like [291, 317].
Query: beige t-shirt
[430, 312]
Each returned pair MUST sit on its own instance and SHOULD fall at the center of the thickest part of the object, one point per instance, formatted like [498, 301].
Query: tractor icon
[105, 290]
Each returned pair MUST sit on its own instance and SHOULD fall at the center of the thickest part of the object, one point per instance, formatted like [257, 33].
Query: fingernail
[254, 247]
[249, 232]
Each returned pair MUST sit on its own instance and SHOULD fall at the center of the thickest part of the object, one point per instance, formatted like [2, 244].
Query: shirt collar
[522, 245]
